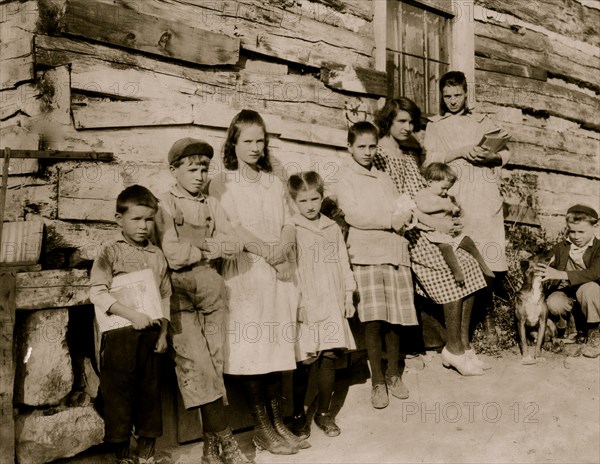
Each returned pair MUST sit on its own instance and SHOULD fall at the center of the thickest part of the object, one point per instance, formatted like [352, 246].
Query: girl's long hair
[243, 119]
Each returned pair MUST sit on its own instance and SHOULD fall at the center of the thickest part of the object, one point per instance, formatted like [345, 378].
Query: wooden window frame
[462, 50]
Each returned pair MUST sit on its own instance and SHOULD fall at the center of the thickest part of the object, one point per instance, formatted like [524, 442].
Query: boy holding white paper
[133, 340]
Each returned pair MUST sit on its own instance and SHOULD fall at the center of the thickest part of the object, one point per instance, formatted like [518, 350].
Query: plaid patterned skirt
[434, 278]
[386, 294]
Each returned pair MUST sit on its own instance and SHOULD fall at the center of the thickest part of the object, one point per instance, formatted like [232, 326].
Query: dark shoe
[592, 350]
[281, 428]
[125, 461]
[379, 396]
[300, 426]
[210, 452]
[326, 423]
[265, 436]
[232, 454]
[396, 387]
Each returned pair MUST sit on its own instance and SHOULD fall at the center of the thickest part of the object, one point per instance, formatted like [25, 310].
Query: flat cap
[188, 147]
[583, 209]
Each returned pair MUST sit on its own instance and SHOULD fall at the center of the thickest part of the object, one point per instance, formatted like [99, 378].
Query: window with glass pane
[418, 51]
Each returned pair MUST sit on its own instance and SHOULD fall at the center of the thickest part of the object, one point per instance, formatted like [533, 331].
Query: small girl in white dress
[326, 289]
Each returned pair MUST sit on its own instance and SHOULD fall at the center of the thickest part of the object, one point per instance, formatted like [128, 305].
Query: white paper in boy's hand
[137, 290]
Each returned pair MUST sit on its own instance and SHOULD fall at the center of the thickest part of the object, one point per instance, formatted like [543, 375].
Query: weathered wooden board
[55, 51]
[15, 71]
[26, 195]
[514, 69]
[502, 89]
[567, 17]
[357, 80]
[52, 289]
[99, 114]
[132, 28]
[534, 49]
[88, 192]
[270, 29]
[520, 214]
[360, 8]
[7, 373]
[20, 100]
[15, 136]
[86, 238]
[537, 156]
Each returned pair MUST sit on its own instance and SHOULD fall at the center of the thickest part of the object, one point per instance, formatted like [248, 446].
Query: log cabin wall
[131, 77]
[537, 73]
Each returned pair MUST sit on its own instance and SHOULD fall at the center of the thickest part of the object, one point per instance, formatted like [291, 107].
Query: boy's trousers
[196, 335]
[129, 382]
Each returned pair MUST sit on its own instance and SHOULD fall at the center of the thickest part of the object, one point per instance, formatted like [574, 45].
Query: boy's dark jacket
[591, 259]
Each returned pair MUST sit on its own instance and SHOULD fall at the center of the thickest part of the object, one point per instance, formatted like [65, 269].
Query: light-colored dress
[434, 277]
[325, 280]
[477, 188]
[260, 332]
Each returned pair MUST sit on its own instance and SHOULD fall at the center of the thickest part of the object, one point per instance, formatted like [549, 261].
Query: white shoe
[462, 363]
[476, 361]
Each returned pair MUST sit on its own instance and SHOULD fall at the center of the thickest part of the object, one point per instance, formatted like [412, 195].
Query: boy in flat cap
[194, 231]
[575, 273]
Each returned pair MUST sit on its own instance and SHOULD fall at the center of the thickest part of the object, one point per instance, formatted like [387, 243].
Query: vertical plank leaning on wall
[7, 322]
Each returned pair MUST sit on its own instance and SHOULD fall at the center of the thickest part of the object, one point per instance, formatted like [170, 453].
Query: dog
[531, 309]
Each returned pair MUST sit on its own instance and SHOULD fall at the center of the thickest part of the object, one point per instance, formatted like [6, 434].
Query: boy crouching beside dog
[194, 231]
[575, 274]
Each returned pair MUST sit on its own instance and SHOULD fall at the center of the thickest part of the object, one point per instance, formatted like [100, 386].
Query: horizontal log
[567, 17]
[530, 94]
[52, 289]
[62, 155]
[88, 192]
[520, 214]
[15, 71]
[513, 69]
[120, 25]
[26, 195]
[356, 80]
[360, 8]
[56, 51]
[15, 136]
[84, 239]
[270, 30]
[132, 114]
[534, 49]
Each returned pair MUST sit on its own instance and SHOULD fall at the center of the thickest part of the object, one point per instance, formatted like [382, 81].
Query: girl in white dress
[326, 289]
[260, 330]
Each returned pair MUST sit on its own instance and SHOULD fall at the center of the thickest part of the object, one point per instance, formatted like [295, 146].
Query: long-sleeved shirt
[205, 217]
[119, 256]
[477, 187]
[368, 200]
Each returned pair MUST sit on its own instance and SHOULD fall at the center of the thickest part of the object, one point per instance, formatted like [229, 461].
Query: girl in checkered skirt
[399, 155]
[379, 257]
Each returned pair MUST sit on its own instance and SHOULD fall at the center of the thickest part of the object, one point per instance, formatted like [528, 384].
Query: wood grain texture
[52, 289]
[530, 94]
[7, 373]
[132, 28]
[566, 17]
[526, 47]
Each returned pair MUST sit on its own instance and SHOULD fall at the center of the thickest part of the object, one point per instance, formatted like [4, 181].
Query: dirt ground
[548, 412]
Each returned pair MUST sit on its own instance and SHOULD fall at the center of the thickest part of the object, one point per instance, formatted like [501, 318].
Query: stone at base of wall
[42, 436]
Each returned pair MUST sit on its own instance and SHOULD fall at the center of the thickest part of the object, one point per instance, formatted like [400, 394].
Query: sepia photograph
[299, 231]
